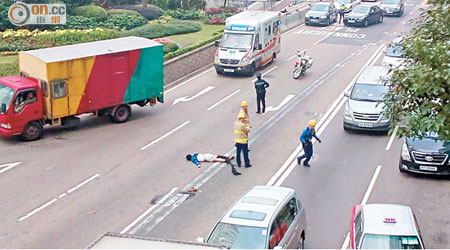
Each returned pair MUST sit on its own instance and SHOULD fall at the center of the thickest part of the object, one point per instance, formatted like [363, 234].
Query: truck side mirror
[216, 43]
[346, 94]
[259, 46]
[200, 240]
[3, 108]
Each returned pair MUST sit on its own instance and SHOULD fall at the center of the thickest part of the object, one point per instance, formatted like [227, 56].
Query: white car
[394, 54]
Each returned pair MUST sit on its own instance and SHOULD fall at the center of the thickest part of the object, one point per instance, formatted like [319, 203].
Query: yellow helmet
[312, 123]
[242, 115]
[244, 103]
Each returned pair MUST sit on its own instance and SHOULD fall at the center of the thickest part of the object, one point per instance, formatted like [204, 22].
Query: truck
[58, 84]
[251, 39]
[129, 241]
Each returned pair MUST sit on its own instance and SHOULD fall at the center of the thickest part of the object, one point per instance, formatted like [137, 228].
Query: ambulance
[251, 40]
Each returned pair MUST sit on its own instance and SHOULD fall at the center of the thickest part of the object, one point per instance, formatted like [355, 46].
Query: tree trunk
[225, 3]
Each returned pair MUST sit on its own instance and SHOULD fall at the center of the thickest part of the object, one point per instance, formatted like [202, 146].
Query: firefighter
[241, 130]
[305, 139]
[244, 110]
[260, 86]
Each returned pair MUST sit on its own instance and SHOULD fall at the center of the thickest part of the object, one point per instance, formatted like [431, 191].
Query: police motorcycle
[303, 63]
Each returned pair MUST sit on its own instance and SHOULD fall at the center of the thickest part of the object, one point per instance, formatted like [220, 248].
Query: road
[74, 185]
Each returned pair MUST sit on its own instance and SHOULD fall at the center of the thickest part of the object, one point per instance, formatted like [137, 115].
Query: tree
[420, 102]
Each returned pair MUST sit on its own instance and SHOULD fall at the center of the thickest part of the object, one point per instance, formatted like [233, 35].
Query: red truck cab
[21, 107]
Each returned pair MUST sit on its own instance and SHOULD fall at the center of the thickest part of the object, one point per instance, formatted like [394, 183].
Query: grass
[205, 33]
[9, 65]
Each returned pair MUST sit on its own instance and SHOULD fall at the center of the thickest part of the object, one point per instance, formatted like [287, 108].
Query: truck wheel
[122, 114]
[32, 131]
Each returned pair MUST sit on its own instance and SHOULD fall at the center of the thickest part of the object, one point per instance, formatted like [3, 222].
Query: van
[251, 39]
[365, 108]
[265, 217]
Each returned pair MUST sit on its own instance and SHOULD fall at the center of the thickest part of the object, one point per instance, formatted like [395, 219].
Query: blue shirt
[307, 135]
[195, 160]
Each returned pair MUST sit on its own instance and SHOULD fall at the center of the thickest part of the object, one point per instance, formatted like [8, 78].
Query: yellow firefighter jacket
[247, 119]
[241, 131]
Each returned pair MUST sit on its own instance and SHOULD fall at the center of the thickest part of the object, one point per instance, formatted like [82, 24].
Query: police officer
[341, 11]
[260, 86]
[305, 138]
[241, 130]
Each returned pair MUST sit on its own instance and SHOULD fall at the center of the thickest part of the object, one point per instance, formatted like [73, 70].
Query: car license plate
[388, 12]
[365, 125]
[428, 168]
[228, 70]
[351, 21]
[314, 20]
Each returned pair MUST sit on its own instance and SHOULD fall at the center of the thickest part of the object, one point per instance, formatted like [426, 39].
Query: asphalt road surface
[74, 185]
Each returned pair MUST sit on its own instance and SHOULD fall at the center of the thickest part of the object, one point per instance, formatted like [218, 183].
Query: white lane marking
[187, 99]
[372, 183]
[165, 135]
[224, 99]
[410, 13]
[188, 80]
[291, 58]
[289, 31]
[265, 73]
[298, 150]
[6, 167]
[284, 102]
[82, 184]
[346, 241]
[364, 200]
[28, 215]
[388, 146]
[320, 40]
[148, 211]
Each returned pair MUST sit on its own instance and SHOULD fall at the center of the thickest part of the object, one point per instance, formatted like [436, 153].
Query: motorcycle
[303, 63]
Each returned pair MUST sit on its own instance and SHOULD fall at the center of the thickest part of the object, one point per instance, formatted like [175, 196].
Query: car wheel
[32, 131]
[301, 242]
[252, 70]
[400, 168]
[328, 22]
[335, 18]
[366, 23]
[381, 19]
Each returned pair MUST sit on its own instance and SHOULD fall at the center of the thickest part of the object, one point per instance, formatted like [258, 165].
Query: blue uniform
[194, 159]
[306, 138]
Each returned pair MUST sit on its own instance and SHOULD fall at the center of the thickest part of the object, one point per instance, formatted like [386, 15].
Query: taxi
[384, 226]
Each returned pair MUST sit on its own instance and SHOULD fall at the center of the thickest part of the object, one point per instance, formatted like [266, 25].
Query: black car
[393, 7]
[428, 155]
[322, 13]
[363, 15]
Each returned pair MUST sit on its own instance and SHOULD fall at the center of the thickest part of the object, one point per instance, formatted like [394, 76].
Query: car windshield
[236, 41]
[6, 95]
[373, 241]
[369, 92]
[238, 236]
[342, 1]
[390, 1]
[319, 7]
[394, 50]
[361, 9]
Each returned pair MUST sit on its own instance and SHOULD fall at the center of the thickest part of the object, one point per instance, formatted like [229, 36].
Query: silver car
[264, 218]
[364, 108]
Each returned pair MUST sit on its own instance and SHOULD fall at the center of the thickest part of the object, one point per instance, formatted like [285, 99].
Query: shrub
[150, 13]
[9, 69]
[79, 22]
[216, 20]
[124, 21]
[93, 11]
[123, 11]
[162, 30]
[191, 47]
[169, 47]
[183, 14]
[162, 20]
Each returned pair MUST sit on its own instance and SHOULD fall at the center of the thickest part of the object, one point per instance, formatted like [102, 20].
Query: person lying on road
[197, 158]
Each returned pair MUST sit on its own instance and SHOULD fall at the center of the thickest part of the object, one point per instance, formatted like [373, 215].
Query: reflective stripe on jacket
[241, 132]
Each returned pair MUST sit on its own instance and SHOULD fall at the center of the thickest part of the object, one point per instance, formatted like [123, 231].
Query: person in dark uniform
[306, 138]
[260, 86]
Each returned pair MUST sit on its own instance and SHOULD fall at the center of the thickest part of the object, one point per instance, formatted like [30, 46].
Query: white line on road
[224, 99]
[289, 31]
[6, 167]
[346, 241]
[388, 146]
[320, 40]
[165, 135]
[190, 79]
[148, 211]
[284, 102]
[187, 99]
[28, 215]
[291, 58]
[265, 73]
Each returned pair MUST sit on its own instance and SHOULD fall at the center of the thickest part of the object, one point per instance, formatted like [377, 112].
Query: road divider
[6, 167]
[224, 99]
[35, 211]
[165, 135]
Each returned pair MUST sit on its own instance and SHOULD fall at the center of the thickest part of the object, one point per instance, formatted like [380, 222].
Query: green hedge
[93, 11]
[169, 47]
[161, 30]
[79, 22]
[150, 13]
[124, 21]
[123, 11]
[183, 14]
[191, 47]
[9, 69]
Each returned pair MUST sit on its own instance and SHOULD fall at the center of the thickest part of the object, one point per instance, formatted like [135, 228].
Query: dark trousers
[244, 148]
[261, 99]
[308, 149]
[341, 16]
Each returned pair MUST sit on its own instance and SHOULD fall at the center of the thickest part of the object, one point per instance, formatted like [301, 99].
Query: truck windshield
[373, 241]
[369, 92]
[236, 41]
[6, 95]
[238, 236]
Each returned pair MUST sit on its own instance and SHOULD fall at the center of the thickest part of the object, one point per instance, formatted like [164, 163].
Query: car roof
[259, 200]
[373, 75]
[322, 3]
[374, 216]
